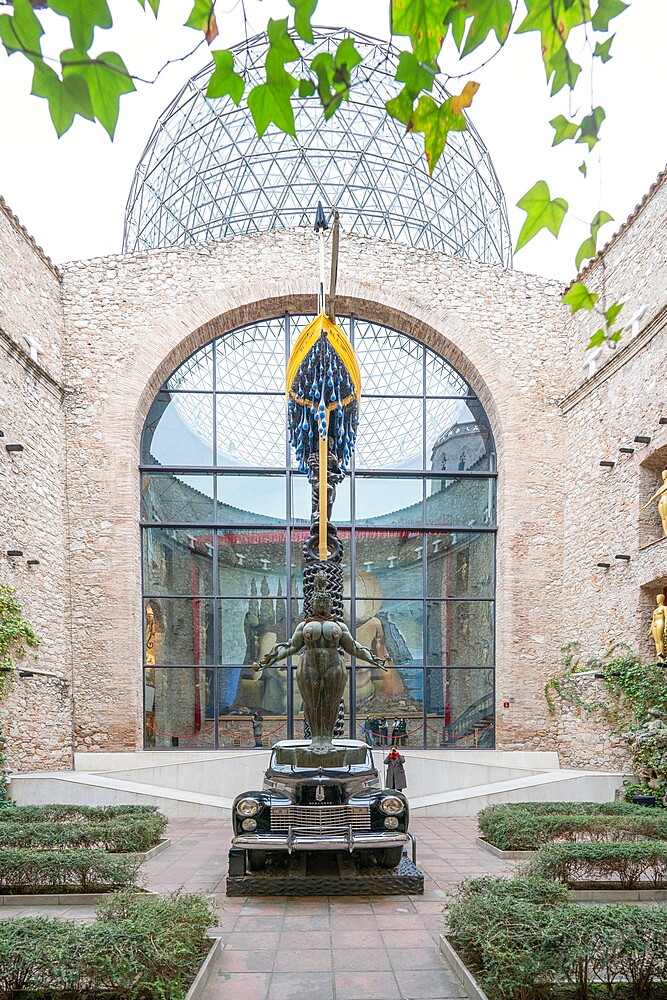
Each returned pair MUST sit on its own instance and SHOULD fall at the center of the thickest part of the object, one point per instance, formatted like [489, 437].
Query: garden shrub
[520, 937]
[56, 813]
[137, 948]
[514, 829]
[28, 870]
[638, 863]
[131, 833]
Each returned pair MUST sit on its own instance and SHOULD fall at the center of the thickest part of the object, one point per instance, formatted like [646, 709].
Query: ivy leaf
[67, 98]
[597, 340]
[415, 75]
[107, 80]
[306, 88]
[602, 49]
[582, 168]
[554, 19]
[464, 99]
[456, 19]
[303, 12]
[612, 312]
[281, 47]
[202, 18]
[436, 122]
[224, 80]
[423, 22]
[590, 127]
[153, 4]
[347, 55]
[606, 10]
[401, 107]
[589, 247]
[578, 297]
[83, 16]
[21, 31]
[488, 16]
[333, 74]
[270, 102]
[541, 213]
[564, 129]
[564, 69]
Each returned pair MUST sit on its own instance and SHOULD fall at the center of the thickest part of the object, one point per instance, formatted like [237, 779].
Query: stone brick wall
[132, 320]
[36, 715]
[623, 398]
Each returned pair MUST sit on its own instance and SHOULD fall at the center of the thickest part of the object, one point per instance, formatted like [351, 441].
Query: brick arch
[443, 333]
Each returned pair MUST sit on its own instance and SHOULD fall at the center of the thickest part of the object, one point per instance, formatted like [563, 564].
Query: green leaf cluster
[333, 73]
[16, 633]
[271, 102]
[90, 87]
[147, 948]
[427, 22]
[436, 121]
[587, 131]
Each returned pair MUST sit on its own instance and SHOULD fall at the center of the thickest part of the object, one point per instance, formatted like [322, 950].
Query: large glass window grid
[422, 600]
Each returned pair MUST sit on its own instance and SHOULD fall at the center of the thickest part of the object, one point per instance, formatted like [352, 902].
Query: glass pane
[459, 564]
[252, 359]
[299, 537]
[464, 501]
[390, 362]
[166, 496]
[388, 502]
[178, 702]
[247, 499]
[250, 627]
[391, 629]
[459, 708]
[390, 706]
[458, 436]
[179, 430]
[251, 562]
[442, 379]
[252, 706]
[460, 633]
[178, 561]
[390, 563]
[251, 431]
[390, 434]
[302, 500]
[178, 630]
[195, 374]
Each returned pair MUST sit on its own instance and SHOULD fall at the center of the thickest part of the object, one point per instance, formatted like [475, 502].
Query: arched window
[224, 516]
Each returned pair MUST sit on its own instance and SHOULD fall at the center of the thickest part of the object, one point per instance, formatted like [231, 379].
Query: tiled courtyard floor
[320, 948]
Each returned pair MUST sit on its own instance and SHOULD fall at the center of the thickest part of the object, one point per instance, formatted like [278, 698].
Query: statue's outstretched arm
[658, 493]
[358, 651]
[282, 650]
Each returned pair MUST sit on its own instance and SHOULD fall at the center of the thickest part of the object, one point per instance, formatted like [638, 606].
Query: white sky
[71, 193]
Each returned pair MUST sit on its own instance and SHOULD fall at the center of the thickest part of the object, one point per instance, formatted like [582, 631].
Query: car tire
[256, 861]
[389, 857]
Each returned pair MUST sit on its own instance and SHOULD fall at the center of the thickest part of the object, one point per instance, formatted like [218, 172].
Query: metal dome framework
[206, 175]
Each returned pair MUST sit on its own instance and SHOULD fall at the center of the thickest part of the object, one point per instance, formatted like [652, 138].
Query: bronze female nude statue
[321, 675]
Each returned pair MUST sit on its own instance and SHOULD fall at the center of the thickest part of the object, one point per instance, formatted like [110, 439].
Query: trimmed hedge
[128, 834]
[519, 937]
[56, 813]
[28, 871]
[567, 808]
[511, 828]
[639, 863]
[137, 948]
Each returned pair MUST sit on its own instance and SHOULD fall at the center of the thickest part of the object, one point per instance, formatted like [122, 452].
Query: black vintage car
[321, 809]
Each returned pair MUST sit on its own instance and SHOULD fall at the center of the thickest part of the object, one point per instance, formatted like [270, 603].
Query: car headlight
[391, 823]
[391, 805]
[251, 824]
[248, 807]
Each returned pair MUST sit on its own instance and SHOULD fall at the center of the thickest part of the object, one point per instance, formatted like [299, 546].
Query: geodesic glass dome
[205, 174]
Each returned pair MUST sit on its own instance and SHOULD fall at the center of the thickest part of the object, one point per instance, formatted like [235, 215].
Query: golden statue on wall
[661, 496]
[658, 623]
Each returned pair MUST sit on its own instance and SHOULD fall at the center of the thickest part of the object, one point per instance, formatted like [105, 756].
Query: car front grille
[320, 819]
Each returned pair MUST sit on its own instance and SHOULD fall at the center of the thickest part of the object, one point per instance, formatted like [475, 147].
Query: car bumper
[295, 841]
